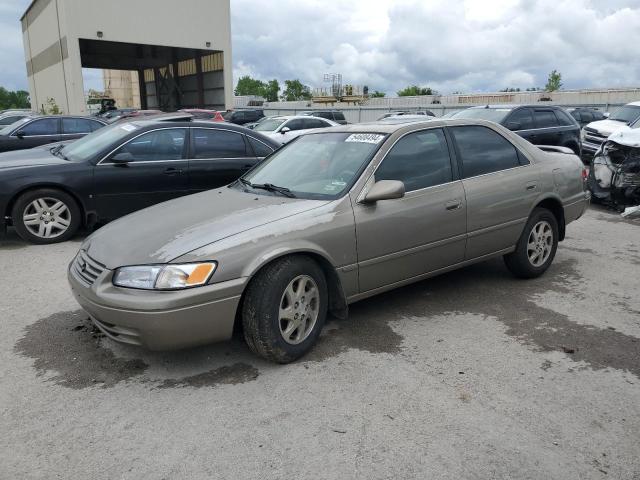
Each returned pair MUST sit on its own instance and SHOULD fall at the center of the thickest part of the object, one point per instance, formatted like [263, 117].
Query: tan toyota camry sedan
[333, 217]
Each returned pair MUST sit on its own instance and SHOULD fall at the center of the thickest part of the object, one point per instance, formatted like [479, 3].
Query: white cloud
[470, 45]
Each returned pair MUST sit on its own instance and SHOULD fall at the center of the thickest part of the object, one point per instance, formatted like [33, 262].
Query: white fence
[602, 99]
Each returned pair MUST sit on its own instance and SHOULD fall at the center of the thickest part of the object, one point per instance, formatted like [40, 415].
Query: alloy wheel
[47, 217]
[299, 308]
[540, 243]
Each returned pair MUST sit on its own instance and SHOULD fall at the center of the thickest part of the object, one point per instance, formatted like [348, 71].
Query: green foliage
[252, 86]
[50, 107]
[11, 99]
[295, 90]
[414, 91]
[554, 82]
[511, 89]
[377, 94]
[271, 90]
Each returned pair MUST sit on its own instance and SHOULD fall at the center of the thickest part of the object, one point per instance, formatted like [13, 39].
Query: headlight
[582, 134]
[164, 277]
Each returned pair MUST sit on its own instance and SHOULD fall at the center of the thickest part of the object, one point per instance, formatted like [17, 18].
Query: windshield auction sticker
[365, 138]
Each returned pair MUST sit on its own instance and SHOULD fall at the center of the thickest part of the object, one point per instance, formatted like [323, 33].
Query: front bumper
[159, 320]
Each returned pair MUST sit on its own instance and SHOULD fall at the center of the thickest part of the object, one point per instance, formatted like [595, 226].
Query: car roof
[635, 104]
[380, 126]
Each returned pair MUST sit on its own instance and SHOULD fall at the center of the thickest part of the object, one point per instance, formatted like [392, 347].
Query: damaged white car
[614, 176]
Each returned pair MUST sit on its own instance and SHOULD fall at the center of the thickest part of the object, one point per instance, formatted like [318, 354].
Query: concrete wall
[52, 29]
[123, 86]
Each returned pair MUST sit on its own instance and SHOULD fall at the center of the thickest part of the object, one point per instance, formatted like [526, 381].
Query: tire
[267, 330]
[531, 258]
[46, 216]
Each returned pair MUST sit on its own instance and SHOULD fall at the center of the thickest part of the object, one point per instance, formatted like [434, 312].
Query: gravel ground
[469, 375]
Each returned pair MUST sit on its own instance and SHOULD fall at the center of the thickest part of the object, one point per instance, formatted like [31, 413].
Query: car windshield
[317, 166]
[269, 125]
[83, 149]
[492, 114]
[9, 128]
[627, 114]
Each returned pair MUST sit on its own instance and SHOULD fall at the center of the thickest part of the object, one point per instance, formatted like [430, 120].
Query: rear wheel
[285, 308]
[536, 247]
[46, 216]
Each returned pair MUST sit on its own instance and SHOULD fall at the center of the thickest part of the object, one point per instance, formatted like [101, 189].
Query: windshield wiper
[57, 152]
[270, 187]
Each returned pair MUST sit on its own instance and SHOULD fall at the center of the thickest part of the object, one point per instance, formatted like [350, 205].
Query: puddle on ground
[489, 289]
[68, 346]
[226, 375]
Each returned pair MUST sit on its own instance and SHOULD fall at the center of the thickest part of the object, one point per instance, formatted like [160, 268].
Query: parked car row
[48, 193]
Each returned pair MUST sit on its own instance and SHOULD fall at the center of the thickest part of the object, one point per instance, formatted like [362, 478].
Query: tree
[11, 99]
[270, 90]
[295, 90]
[377, 94]
[414, 91]
[511, 89]
[249, 86]
[554, 82]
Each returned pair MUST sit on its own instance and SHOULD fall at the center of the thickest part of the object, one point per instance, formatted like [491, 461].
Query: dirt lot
[470, 375]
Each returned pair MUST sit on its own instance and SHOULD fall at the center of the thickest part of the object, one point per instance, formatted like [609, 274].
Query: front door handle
[453, 204]
[531, 186]
[173, 171]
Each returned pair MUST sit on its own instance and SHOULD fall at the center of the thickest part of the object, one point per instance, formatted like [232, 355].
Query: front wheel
[536, 247]
[46, 216]
[285, 308]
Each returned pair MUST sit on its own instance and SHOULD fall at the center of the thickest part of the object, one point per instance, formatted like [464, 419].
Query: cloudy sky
[449, 45]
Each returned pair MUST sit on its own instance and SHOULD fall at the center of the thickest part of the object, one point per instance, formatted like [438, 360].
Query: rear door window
[338, 116]
[210, 143]
[483, 151]
[419, 160]
[545, 119]
[76, 126]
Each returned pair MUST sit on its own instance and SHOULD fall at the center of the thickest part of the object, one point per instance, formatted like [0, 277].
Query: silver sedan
[332, 218]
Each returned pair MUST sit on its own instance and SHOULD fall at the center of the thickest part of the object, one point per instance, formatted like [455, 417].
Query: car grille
[592, 136]
[86, 268]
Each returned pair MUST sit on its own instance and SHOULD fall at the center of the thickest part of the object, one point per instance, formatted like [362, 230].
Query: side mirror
[122, 158]
[20, 134]
[514, 126]
[385, 190]
[285, 130]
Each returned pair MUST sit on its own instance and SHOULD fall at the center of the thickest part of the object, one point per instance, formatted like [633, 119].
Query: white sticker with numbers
[365, 138]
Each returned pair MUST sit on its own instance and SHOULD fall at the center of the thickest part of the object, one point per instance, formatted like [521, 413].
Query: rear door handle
[453, 204]
[531, 186]
[173, 171]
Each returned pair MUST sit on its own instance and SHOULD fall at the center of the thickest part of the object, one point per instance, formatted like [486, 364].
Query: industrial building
[180, 51]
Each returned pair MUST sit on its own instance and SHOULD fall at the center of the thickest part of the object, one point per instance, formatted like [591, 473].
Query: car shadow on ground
[12, 241]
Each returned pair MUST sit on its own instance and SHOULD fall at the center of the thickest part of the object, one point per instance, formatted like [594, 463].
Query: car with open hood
[333, 217]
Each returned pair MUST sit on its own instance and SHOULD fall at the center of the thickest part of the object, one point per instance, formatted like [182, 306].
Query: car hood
[166, 231]
[607, 127]
[32, 157]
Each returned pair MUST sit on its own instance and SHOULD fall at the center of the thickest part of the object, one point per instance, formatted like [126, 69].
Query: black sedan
[48, 193]
[33, 131]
